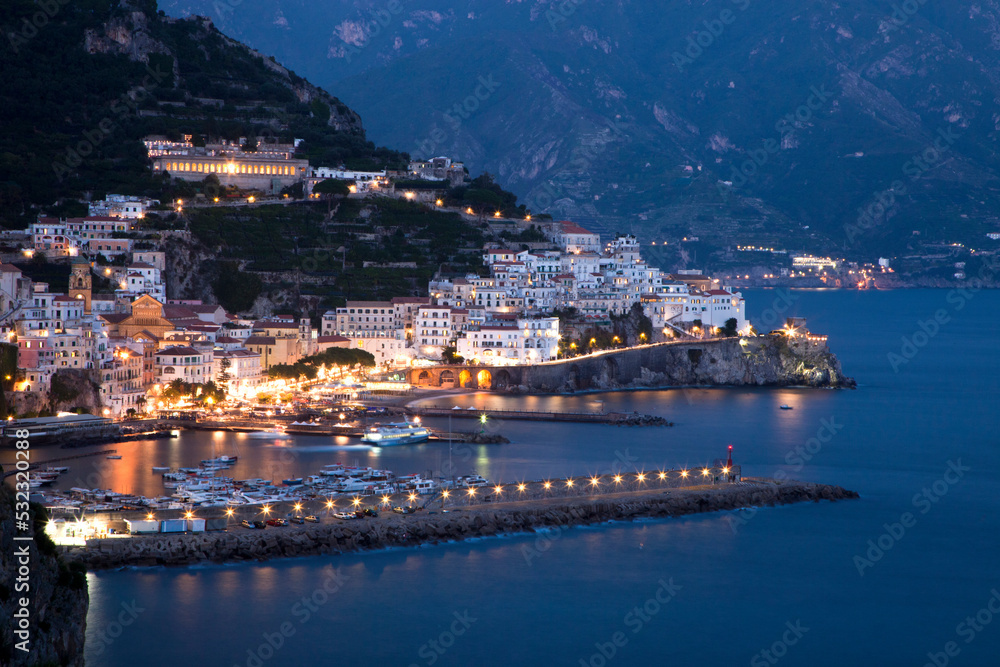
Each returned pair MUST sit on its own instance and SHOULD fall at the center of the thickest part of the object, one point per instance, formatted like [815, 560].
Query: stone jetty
[432, 525]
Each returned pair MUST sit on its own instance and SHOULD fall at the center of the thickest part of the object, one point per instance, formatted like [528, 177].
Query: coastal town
[148, 350]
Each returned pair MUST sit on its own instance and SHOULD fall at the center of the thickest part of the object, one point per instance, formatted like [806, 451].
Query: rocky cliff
[57, 595]
[391, 530]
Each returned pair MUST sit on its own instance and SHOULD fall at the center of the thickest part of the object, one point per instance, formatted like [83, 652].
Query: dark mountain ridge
[693, 118]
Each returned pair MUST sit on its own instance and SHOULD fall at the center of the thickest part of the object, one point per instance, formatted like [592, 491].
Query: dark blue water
[714, 589]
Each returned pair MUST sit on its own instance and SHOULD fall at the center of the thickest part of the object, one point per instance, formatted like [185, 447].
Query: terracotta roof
[206, 308]
[172, 312]
[228, 340]
[180, 349]
[572, 228]
[9, 268]
[412, 299]
[332, 339]
[114, 318]
[260, 340]
[141, 265]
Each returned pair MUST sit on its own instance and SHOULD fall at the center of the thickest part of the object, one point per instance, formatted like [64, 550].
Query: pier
[434, 525]
[617, 418]
[38, 464]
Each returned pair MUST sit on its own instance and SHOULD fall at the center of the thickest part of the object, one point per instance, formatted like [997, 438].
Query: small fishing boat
[113, 456]
[161, 469]
[786, 407]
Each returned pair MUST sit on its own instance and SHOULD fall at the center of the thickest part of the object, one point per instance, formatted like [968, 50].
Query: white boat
[472, 481]
[57, 469]
[161, 469]
[269, 434]
[388, 435]
[220, 461]
[113, 456]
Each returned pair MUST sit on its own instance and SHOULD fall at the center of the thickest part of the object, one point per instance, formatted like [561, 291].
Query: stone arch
[465, 379]
[502, 380]
[573, 378]
[484, 379]
[424, 379]
[611, 369]
[447, 378]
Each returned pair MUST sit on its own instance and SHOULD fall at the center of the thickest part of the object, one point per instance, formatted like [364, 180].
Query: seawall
[393, 530]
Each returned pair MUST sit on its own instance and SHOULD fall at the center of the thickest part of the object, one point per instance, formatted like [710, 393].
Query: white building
[530, 341]
[184, 363]
[238, 371]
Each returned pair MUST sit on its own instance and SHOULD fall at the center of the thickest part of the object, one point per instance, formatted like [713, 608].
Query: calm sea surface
[817, 584]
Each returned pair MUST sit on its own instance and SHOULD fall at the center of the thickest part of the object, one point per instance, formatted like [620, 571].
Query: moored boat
[403, 433]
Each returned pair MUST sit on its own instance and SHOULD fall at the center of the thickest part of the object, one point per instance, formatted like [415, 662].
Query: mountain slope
[83, 86]
[637, 114]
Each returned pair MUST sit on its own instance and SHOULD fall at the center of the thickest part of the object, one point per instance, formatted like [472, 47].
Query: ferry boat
[269, 434]
[388, 435]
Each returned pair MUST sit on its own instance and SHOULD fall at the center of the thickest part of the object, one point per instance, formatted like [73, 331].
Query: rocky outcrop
[391, 530]
[730, 362]
[56, 593]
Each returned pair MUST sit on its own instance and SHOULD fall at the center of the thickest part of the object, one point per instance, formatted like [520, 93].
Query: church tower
[80, 283]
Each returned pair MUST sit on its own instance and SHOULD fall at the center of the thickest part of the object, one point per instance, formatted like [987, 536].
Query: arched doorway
[484, 379]
[503, 380]
[424, 379]
[448, 378]
[465, 380]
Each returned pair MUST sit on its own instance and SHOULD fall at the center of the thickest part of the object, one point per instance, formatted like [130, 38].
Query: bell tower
[80, 283]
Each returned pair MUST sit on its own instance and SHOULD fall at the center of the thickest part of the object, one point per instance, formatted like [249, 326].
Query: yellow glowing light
[267, 509]
[684, 473]
[188, 515]
[498, 489]
[445, 494]
[413, 497]
[229, 511]
[329, 504]
[472, 491]
[663, 475]
[356, 501]
[569, 482]
[149, 516]
[547, 485]
[439, 202]
[641, 477]
[705, 473]
[595, 481]
[469, 210]
[250, 199]
[521, 487]
[385, 500]
[725, 471]
[618, 479]
[298, 507]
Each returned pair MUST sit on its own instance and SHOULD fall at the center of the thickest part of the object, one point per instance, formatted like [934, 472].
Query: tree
[449, 355]
[729, 330]
[331, 188]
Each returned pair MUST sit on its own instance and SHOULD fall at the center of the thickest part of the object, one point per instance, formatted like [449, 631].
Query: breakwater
[429, 527]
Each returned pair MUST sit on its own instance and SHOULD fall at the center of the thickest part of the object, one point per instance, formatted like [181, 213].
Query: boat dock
[39, 464]
[617, 418]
